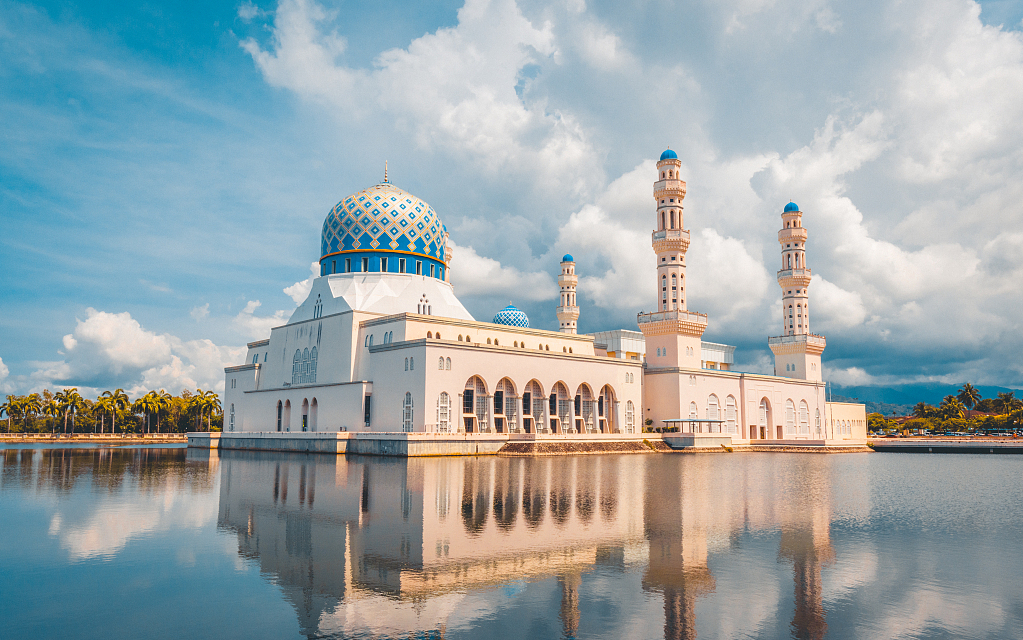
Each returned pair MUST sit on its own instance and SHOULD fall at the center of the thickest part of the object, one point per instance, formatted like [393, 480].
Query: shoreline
[94, 438]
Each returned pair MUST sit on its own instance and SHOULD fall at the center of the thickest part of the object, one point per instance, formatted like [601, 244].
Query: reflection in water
[371, 533]
[673, 546]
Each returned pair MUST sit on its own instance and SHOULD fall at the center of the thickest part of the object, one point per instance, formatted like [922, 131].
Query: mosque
[383, 345]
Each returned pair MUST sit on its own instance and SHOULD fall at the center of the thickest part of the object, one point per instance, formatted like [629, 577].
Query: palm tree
[164, 402]
[5, 408]
[70, 401]
[118, 402]
[52, 409]
[969, 396]
[1004, 401]
[32, 403]
[923, 410]
[951, 407]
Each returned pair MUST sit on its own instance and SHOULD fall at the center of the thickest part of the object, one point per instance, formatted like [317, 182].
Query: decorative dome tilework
[383, 218]
[512, 317]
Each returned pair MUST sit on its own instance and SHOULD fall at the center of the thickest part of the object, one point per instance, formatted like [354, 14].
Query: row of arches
[307, 418]
[507, 409]
[797, 422]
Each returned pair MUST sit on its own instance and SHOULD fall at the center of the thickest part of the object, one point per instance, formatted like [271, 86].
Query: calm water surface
[168, 543]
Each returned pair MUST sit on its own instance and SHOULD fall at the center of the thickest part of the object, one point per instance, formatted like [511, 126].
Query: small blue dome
[668, 154]
[512, 317]
[568, 258]
[792, 206]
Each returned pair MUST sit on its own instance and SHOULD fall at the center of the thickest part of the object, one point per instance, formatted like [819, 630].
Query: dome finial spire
[385, 170]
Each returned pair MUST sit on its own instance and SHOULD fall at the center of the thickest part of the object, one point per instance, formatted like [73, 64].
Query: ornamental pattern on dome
[383, 218]
[512, 317]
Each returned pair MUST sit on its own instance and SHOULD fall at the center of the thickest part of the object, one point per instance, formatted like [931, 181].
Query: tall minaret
[568, 311]
[797, 352]
[672, 332]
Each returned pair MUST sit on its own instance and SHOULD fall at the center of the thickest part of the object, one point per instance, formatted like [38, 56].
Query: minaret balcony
[800, 343]
[792, 234]
[794, 276]
[670, 240]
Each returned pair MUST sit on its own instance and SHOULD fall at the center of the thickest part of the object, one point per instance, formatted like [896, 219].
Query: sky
[165, 169]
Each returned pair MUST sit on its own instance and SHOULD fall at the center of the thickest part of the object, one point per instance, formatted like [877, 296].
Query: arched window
[231, 428]
[730, 415]
[406, 364]
[496, 343]
[488, 340]
[371, 339]
[662, 220]
[411, 364]
[459, 337]
[407, 413]
[444, 412]
[804, 418]
[713, 406]
[694, 411]
[447, 364]
[440, 363]
[630, 417]
[672, 219]
[790, 416]
[438, 335]
[429, 334]
[313, 357]
[516, 344]
[817, 422]
[296, 368]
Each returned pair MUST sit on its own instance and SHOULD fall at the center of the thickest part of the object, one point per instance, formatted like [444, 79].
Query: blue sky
[165, 170]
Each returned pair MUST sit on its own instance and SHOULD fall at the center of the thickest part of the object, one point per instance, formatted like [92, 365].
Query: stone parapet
[675, 321]
[802, 343]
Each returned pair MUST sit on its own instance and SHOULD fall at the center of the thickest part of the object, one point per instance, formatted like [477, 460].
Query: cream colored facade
[383, 344]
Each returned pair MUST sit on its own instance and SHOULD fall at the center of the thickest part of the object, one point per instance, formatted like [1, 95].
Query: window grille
[407, 413]
[630, 417]
[790, 416]
[444, 412]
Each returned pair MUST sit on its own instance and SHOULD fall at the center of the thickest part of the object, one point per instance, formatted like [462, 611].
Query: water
[167, 543]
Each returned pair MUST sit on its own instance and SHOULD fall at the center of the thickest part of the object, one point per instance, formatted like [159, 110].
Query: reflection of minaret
[569, 613]
[678, 552]
[807, 543]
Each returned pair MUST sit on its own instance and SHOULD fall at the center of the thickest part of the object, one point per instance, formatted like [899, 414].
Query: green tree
[951, 408]
[52, 409]
[969, 396]
[31, 405]
[118, 401]
[5, 409]
[923, 410]
[70, 402]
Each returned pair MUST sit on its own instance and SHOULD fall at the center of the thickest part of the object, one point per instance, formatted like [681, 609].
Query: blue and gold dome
[790, 207]
[512, 317]
[383, 229]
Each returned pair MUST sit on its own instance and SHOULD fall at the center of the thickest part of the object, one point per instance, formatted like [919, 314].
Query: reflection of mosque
[394, 546]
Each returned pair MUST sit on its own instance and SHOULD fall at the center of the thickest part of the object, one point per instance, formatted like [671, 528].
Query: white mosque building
[383, 345]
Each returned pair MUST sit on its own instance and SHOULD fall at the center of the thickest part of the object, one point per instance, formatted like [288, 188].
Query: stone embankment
[946, 445]
[547, 448]
[94, 438]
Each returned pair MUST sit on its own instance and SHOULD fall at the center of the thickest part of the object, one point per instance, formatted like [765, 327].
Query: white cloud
[476, 275]
[200, 313]
[300, 290]
[114, 350]
[258, 327]
[5, 387]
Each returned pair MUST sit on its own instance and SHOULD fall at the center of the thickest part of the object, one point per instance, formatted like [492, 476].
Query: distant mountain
[900, 399]
[884, 408]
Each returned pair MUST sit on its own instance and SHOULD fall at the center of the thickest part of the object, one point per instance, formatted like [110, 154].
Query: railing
[672, 314]
[670, 234]
[809, 338]
[788, 273]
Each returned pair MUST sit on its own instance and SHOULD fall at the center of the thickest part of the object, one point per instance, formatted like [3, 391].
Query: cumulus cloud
[258, 327]
[477, 275]
[115, 350]
[300, 290]
[5, 387]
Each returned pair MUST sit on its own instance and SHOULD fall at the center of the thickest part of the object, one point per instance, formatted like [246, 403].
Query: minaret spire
[797, 353]
[673, 333]
[568, 310]
[385, 170]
